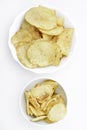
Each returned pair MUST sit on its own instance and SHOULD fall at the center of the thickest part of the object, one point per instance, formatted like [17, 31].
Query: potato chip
[21, 36]
[53, 32]
[44, 89]
[26, 26]
[22, 56]
[38, 118]
[53, 84]
[41, 17]
[43, 53]
[31, 29]
[64, 40]
[60, 21]
[57, 112]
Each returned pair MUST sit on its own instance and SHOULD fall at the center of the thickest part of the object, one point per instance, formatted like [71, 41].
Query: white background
[72, 76]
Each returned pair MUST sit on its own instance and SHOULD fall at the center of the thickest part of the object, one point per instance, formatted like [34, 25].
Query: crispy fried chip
[31, 29]
[43, 53]
[44, 89]
[57, 112]
[53, 32]
[64, 40]
[21, 36]
[22, 56]
[41, 17]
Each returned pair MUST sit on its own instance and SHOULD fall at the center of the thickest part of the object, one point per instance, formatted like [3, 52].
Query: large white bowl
[15, 26]
[22, 103]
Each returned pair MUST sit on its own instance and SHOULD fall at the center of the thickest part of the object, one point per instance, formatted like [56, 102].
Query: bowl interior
[23, 102]
[15, 26]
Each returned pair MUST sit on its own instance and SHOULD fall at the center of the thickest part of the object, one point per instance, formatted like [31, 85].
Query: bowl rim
[21, 109]
[48, 68]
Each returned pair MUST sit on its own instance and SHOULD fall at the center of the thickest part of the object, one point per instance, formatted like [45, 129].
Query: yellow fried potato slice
[57, 112]
[43, 53]
[44, 90]
[38, 118]
[26, 26]
[53, 32]
[31, 29]
[53, 84]
[41, 17]
[60, 21]
[64, 40]
[22, 56]
[21, 36]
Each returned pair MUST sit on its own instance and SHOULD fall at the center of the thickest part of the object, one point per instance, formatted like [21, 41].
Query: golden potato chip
[64, 40]
[22, 56]
[38, 118]
[53, 84]
[41, 17]
[26, 26]
[44, 89]
[21, 36]
[43, 53]
[53, 32]
[60, 21]
[57, 112]
[31, 29]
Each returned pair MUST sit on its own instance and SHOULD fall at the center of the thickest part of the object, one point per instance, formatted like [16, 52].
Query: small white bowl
[22, 102]
[15, 26]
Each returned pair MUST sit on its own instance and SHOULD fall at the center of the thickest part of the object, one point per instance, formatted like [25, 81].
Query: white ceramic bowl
[15, 26]
[22, 102]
